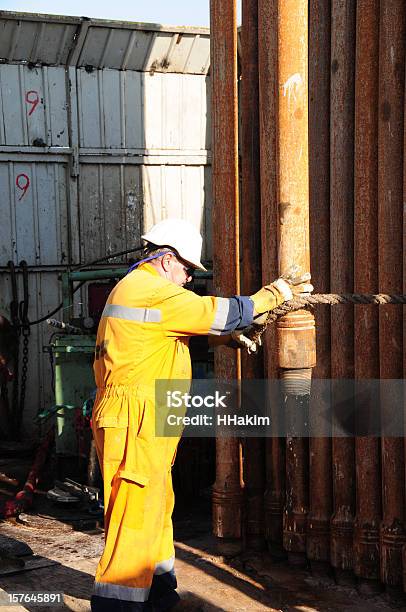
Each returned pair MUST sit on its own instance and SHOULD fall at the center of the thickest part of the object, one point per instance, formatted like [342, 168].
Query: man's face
[177, 270]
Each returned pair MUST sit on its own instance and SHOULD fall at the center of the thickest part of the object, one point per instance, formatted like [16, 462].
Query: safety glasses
[189, 270]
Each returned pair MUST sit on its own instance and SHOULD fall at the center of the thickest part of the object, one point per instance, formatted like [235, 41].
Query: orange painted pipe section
[296, 332]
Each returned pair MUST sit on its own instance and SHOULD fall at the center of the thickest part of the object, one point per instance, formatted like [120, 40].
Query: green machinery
[72, 356]
[74, 385]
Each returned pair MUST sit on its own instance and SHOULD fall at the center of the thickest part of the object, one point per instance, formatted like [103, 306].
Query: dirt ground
[66, 554]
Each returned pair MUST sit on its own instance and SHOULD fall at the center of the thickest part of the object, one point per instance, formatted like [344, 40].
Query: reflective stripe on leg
[164, 566]
[117, 591]
[108, 604]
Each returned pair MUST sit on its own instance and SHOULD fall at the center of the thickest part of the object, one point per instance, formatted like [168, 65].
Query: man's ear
[165, 262]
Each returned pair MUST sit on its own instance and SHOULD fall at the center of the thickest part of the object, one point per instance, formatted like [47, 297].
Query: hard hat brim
[194, 264]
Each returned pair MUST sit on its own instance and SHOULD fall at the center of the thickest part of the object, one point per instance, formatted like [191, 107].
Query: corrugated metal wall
[104, 130]
[33, 106]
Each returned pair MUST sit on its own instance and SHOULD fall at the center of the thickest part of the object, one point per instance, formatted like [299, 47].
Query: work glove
[289, 290]
[281, 290]
[270, 296]
[298, 283]
[241, 338]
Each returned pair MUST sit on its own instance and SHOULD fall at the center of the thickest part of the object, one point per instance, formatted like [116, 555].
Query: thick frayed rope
[299, 303]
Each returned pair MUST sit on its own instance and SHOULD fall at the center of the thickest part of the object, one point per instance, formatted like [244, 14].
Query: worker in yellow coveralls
[143, 336]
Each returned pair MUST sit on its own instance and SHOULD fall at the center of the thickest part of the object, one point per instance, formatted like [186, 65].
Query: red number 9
[32, 97]
[22, 183]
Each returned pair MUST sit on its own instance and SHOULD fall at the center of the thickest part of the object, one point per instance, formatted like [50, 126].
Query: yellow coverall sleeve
[186, 313]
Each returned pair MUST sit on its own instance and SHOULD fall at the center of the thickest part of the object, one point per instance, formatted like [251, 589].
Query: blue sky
[169, 12]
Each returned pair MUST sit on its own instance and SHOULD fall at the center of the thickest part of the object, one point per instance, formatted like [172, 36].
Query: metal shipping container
[104, 130]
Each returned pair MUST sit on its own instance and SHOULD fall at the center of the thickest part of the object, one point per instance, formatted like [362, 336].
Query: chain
[4, 397]
[16, 378]
[24, 371]
[16, 353]
[21, 323]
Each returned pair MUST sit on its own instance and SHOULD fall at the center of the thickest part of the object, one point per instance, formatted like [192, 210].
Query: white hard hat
[182, 236]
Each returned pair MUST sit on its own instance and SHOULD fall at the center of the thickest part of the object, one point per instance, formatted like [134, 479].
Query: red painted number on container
[22, 183]
[32, 97]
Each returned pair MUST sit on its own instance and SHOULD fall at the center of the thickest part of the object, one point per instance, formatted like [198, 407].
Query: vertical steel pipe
[227, 490]
[296, 331]
[293, 156]
[341, 240]
[252, 366]
[366, 344]
[404, 308]
[267, 61]
[392, 37]
[320, 475]
[251, 272]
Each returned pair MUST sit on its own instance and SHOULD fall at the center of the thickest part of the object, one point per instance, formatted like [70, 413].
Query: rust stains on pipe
[392, 36]
[366, 341]
[252, 365]
[320, 476]
[341, 237]
[275, 447]
[404, 310]
[293, 158]
[227, 491]
[296, 332]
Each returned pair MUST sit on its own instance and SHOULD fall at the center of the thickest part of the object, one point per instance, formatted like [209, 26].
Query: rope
[332, 299]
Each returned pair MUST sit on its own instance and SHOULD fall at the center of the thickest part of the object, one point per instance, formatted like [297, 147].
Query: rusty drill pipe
[392, 34]
[274, 497]
[404, 313]
[366, 354]
[296, 331]
[251, 366]
[341, 237]
[320, 474]
[227, 490]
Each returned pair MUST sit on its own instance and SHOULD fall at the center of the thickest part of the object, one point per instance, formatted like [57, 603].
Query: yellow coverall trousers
[137, 565]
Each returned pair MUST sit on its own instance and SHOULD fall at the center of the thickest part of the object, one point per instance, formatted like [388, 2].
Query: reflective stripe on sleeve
[143, 315]
[220, 319]
[164, 566]
[232, 313]
[117, 591]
